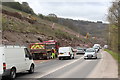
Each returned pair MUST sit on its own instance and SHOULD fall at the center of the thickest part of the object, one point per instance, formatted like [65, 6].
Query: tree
[22, 7]
[114, 19]
[113, 15]
[52, 15]
[15, 5]
[41, 16]
[26, 8]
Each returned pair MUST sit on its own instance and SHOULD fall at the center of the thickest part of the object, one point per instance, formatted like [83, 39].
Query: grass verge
[115, 55]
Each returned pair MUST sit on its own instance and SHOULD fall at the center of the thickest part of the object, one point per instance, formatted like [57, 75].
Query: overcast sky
[92, 10]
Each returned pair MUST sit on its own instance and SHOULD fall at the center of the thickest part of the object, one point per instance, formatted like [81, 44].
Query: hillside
[22, 28]
[96, 29]
[83, 27]
[18, 30]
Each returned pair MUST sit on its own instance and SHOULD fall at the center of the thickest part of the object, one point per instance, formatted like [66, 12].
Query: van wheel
[85, 58]
[12, 74]
[31, 69]
[73, 57]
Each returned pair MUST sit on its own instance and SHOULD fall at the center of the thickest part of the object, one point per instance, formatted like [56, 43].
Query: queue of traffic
[15, 59]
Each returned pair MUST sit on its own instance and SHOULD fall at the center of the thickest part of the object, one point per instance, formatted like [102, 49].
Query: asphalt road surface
[75, 68]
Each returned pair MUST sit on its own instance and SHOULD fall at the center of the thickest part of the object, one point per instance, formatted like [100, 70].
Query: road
[103, 67]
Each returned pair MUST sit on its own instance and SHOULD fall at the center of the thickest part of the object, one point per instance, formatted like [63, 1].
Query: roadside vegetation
[114, 30]
[113, 34]
[115, 55]
[21, 7]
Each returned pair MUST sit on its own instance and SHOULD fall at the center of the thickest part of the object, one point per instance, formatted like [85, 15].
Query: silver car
[90, 53]
[80, 51]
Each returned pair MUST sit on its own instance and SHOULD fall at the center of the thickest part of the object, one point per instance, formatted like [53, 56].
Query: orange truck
[44, 50]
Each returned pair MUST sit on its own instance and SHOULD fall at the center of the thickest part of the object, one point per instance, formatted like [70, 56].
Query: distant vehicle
[84, 48]
[97, 45]
[15, 59]
[66, 52]
[90, 53]
[96, 48]
[105, 46]
[80, 51]
[75, 50]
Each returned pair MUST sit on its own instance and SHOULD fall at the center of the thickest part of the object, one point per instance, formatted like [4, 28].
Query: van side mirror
[85, 50]
[30, 57]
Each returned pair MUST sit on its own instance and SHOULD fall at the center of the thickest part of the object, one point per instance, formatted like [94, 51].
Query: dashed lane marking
[59, 68]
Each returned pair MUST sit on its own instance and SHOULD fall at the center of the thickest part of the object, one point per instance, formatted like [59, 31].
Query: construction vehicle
[44, 50]
[52, 46]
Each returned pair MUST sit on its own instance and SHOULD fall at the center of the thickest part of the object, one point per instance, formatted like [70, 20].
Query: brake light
[4, 66]
[69, 53]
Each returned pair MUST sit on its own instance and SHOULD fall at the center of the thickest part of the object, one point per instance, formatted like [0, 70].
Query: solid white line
[58, 68]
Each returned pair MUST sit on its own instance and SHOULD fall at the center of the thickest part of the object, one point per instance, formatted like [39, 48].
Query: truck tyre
[59, 58]
[31, 69]
[69, 57]
[47, 58]
[12, 74]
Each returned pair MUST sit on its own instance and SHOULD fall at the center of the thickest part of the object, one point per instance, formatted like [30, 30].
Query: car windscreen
[90, 50]
[80, 49]
[50, 46]
[95, 47]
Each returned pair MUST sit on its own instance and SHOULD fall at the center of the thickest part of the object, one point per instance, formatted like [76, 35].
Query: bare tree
[114, 15]
[114, 19]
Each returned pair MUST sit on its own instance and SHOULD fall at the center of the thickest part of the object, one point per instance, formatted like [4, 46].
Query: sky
[88, 10]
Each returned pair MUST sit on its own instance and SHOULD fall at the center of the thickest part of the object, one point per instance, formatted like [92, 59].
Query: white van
[66, 52]
[15, 59]
[97, 45]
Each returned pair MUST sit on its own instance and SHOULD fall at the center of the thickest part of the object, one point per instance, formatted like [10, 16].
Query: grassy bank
[115, 55]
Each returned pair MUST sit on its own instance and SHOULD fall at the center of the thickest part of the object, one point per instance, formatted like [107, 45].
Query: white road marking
[58, 68]
[73, 70]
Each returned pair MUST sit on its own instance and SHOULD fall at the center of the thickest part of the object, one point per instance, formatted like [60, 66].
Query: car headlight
[85, 55]
[93, 54]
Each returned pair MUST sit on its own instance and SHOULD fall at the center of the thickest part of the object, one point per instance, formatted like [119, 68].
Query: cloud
[76, 9]
[7, 0]
[69, 0]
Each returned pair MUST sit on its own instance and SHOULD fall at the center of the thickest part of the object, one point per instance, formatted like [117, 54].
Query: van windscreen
[64, 49]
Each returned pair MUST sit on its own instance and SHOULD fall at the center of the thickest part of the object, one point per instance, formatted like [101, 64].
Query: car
[66, 52]
[96, 48]
[90, 53]
[15, 59]
[105, 46]
[97, 45]
[80, 51]
[84, 48]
